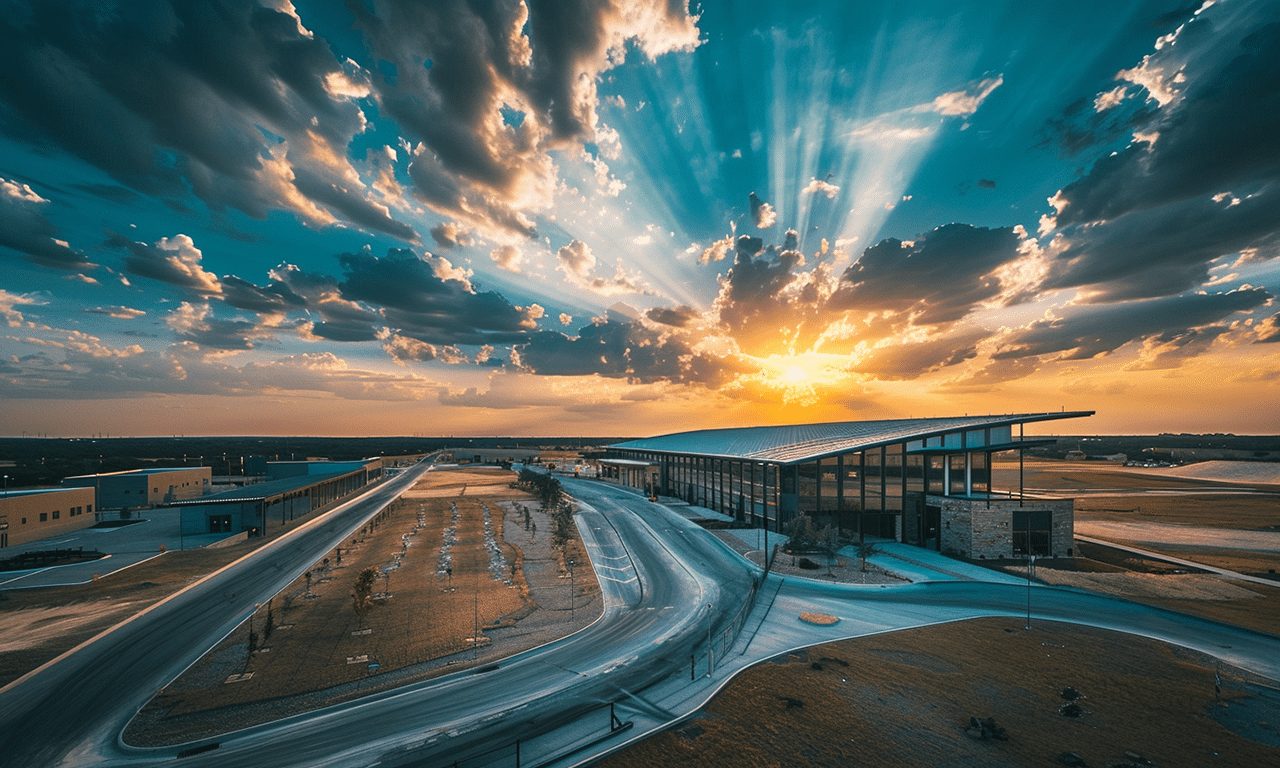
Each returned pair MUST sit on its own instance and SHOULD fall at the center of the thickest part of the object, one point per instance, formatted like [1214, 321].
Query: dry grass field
[28, 617]
[506, 581]
[904, 700]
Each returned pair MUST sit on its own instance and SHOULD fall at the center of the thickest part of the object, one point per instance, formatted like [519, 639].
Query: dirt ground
[38, 625]
[457, 554]
[905, 700]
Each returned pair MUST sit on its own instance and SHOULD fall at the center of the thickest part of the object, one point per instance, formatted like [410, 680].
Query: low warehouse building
[920, 481]
[29, 515]
[259, 507]
[144, 487]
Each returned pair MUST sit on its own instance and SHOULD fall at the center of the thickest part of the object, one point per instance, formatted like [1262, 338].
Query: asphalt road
[662, 595]
[70, 710]
[667, 586]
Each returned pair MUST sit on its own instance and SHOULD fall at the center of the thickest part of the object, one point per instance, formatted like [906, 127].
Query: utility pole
[475, 633]
[1031, 564]
[572, 593]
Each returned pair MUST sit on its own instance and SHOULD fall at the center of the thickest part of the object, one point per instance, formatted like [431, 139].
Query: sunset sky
[636, 217]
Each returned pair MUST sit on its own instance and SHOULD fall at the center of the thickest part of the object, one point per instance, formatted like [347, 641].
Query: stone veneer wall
[973, 529]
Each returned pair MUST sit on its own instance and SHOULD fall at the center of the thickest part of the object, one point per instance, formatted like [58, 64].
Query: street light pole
[572, 593]
[1031, 563]
[711, 653]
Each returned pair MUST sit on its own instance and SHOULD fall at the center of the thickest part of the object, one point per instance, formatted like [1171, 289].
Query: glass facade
[869, 491]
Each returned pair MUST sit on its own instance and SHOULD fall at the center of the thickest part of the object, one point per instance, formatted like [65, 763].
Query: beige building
[145, 487]
[29, 515]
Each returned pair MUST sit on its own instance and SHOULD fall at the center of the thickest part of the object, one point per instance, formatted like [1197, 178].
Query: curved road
[666, 585]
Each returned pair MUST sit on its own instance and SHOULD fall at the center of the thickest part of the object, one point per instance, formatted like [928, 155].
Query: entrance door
[932, 527]
[1032, 532]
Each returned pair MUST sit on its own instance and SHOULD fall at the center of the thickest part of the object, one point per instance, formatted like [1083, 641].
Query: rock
[986, 728]
[1071, 710]
[1071, 758]
[1136, 758]
[1071, 694]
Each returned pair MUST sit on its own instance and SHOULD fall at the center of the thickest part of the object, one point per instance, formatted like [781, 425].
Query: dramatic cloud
[484, 92]
[761, 212]
[912, 360]
[414, 299]
[678, 317]
[275, 298]
[119, 313]
[615, 349]
[230, 100]
[578, 263]
[8, 301]
[195, 323]
[817, 186]
[1090, 331]
[507, 257]
[940, 278]
[23, 228]
[174, 260]
[1147, 220]
[448, 235]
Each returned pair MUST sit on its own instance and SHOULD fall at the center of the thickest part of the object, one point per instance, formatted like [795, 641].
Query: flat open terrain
[904, 700]
[454, 556]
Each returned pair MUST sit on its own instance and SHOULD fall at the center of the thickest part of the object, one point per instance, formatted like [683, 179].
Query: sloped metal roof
[260, 491]
[797, 443]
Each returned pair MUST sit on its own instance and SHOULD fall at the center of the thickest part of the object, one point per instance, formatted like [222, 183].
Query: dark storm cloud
[1145, 220]
[618, 350]
[24, 229]
[1092, 330]
[940, 278]
[678, 317]
[428, 307]
[228, 99]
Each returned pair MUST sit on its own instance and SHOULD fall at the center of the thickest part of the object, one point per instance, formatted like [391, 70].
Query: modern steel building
[28, 515]
[297, 489]
[920, 481]
[144, 487]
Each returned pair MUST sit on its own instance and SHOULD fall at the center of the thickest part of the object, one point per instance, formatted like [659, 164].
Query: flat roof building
[259, 507]
[28, 515]
[144, 487]
[921, 481]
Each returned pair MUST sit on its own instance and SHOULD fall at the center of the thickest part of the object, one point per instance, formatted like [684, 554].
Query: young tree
[362, 593]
